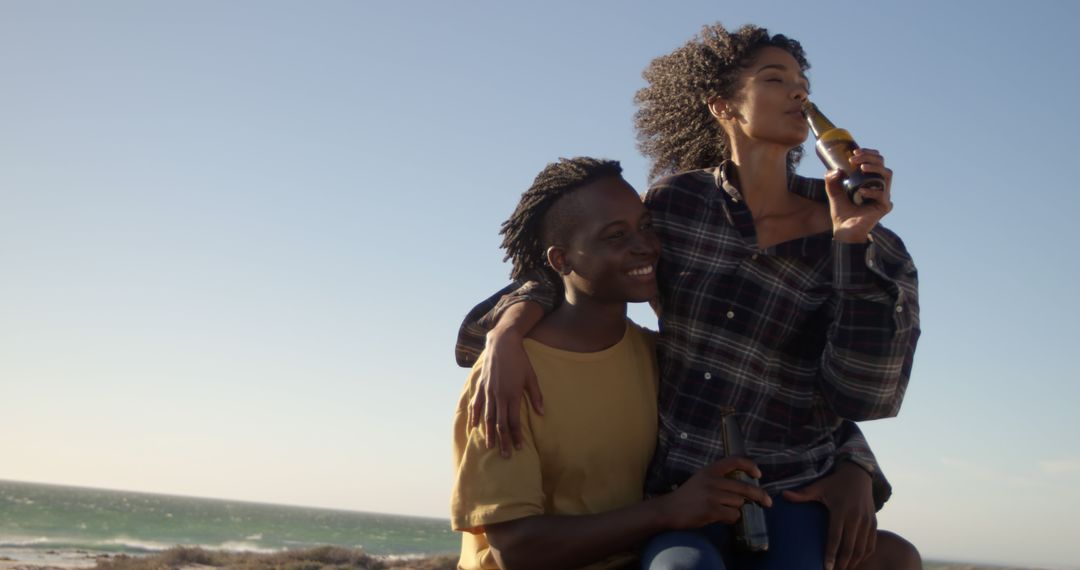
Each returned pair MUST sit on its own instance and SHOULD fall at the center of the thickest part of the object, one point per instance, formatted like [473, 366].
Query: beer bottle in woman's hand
[835, 147]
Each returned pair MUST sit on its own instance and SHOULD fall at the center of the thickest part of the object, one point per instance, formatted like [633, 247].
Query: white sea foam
[129, 543]
[396, 557]
[69, 543]
[17, 541]
[238, 546]
[126, 543]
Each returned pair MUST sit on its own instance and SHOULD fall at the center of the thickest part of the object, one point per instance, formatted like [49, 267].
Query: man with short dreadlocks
[572, 494]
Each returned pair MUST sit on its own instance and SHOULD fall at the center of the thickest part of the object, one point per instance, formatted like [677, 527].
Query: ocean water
[49, 518]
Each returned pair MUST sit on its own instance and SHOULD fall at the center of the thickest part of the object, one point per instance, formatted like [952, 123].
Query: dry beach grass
[181, 558]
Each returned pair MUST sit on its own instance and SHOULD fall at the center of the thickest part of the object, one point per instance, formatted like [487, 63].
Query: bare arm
[507, 374]
[497, 326]
[554, 541]
[550, 541]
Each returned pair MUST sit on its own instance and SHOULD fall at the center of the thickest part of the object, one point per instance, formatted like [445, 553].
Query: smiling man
[572, 494]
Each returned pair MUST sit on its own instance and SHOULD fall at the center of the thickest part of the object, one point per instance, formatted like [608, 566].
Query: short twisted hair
[674, 127]
[533, 227]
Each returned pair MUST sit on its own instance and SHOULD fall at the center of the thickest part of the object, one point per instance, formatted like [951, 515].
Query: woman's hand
[851, 223]
[848, 494]
[505, 376]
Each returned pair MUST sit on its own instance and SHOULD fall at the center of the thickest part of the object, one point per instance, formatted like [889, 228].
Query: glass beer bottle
[750, 532]
[835, 147]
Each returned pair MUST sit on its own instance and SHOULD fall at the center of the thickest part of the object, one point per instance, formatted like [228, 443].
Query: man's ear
[556, 258]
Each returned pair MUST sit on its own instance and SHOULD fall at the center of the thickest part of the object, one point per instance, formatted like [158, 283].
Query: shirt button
[754, 257]
[899, 308]
[683, 435]
[674, 486]
[731, 314]
[869, 262]
[708, 376]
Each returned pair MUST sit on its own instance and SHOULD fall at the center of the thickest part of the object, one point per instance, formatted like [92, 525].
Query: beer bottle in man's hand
[835, 148]
[750, 532]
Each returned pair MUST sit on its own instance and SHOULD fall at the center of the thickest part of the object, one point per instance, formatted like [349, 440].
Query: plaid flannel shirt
[799, 339]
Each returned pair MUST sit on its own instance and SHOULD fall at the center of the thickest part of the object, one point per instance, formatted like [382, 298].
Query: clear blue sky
[237, 238]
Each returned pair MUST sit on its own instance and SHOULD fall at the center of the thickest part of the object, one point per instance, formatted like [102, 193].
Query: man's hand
[505, 376]
[851, 223]
[848, 494]
[711, 496]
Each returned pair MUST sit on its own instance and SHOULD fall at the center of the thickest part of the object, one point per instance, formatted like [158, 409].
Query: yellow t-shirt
[587, 454]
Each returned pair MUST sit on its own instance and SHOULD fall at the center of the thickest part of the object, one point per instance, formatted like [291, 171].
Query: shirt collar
[812, 188]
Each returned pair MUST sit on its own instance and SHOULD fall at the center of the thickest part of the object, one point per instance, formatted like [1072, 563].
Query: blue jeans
[797, 533]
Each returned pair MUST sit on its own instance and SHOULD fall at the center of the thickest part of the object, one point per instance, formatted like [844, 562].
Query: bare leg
[892, 552]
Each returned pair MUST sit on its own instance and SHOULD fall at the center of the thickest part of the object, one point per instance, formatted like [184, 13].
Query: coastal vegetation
[324, 557]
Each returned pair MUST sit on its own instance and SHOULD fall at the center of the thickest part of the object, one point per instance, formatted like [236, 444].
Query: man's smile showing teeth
[641, 271]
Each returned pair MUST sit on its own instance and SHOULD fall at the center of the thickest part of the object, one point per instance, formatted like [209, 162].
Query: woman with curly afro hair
[677, 128]
[780, 301]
